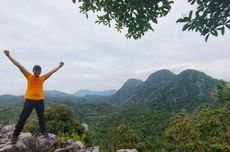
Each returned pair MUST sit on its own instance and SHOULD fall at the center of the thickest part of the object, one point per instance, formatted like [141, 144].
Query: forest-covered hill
[149, 108]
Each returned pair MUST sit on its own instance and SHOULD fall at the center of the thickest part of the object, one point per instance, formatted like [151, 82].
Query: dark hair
[37, 67]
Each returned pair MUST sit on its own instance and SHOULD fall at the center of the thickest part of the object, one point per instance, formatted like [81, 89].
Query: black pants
[29, 105]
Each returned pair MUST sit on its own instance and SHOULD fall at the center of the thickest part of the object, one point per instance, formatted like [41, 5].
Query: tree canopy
[222, 94]
[210, 18]
[138, 16]
[120, 137]
[59, 118]
[207, 130]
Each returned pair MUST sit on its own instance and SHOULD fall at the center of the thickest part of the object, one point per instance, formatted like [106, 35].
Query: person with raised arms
[34, 96]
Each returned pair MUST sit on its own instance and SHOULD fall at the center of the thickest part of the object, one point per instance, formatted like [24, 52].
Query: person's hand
[61, 64]
[7, 52]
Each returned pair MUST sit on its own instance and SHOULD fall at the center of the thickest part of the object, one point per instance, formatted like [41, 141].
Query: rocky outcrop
[29, 143]
[26, 142]
[127, 150]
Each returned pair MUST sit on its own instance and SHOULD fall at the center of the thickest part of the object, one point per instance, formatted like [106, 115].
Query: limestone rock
[7, 130]
[73, 147]
[93, 149]
[27, 143]
[44, 144]
[127, 150]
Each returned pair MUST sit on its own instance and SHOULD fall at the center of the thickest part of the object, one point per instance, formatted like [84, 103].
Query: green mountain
[146, 107]
[10, 99]
[129, 88]
[165, 87]
[162, 88]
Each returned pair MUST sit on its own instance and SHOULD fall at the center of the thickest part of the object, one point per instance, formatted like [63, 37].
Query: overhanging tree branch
[211, 17]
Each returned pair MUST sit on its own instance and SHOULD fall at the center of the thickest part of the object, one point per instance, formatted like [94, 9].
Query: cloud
[98, 57]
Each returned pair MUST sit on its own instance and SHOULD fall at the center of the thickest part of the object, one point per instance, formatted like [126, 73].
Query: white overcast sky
[96, 57]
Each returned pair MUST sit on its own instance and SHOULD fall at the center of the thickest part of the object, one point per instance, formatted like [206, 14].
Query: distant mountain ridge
[7, 99]
[56, 93]
[86, 92]
[126, 91]
[163, 86]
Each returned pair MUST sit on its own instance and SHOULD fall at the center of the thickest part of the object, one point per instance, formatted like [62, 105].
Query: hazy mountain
[56, 93]
[160, 87]
[8, 99]
[166, 87]
[84, 92]
[126, 91]
[50, 95]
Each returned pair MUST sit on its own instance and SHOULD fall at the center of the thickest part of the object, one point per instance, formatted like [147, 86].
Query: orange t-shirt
[34, 89]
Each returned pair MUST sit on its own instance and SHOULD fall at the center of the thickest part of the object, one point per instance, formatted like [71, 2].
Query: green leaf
[193, 2]
[190, 15]
[228, 26]
[141, 13]
[222, 30]
[180, 20]
[214, 32]
[185, 27]
[206, 37]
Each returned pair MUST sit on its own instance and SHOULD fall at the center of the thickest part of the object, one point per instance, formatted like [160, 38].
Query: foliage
[9, 113]
[59, 118]
[204, 131]
[210, 18]
[183, 134]
[200, 130]
[137, 16]
[64, 138]
[222, 94]
[147, 122]
[32, 126]
[121, 137]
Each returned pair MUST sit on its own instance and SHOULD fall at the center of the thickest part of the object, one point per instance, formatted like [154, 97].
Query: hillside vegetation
[167, 112]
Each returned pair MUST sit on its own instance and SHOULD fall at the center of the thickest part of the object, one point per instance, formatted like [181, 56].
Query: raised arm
[21, 68]
[54, 70]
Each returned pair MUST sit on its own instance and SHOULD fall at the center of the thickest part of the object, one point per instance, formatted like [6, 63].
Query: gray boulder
[28, 143]
[7, 130]
[93, 149]
[72, 147]
[127, 150]
[44, 144]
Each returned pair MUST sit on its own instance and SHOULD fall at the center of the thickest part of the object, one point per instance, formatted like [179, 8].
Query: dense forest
[197, 121]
